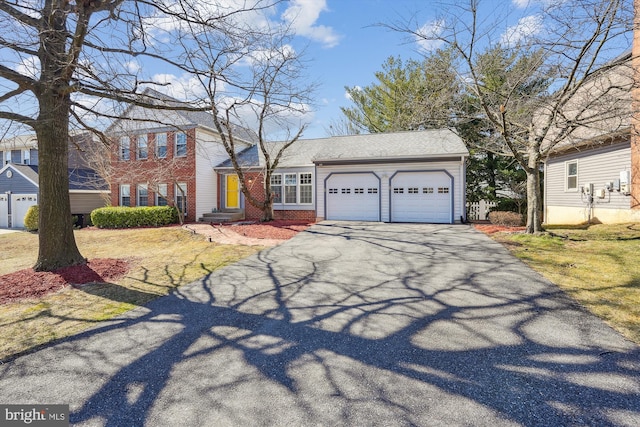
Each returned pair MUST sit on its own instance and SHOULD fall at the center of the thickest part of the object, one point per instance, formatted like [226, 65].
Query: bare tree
[566, 48]
[63, 58]
[256, 81]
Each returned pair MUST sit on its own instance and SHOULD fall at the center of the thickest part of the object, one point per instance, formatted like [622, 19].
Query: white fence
[478, 211]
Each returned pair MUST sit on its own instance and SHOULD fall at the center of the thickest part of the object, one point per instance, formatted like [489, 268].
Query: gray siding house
[589, 176]
[19, 181]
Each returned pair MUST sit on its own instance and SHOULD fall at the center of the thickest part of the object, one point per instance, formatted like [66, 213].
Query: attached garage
[353, 196]
[422, 196]
[392, 177]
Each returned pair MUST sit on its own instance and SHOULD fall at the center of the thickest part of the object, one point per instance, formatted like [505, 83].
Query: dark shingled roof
[79, 179]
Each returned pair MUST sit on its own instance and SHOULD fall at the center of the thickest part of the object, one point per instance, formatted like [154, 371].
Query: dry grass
[162, 259]
[596, 265]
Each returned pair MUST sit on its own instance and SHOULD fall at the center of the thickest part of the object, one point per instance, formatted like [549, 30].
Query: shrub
[31, 218]
[125, 217]
[507, 219]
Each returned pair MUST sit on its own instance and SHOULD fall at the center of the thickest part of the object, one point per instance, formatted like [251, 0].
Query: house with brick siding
[594, 175]
[390, 177]
[167, 157]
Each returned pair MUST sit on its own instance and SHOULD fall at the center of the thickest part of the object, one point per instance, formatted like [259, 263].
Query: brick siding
[168, 170]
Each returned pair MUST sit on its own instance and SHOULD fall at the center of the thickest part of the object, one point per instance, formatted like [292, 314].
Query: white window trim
[281, 186]
[175, 145]
[157, 146]
[121, 193]
[284, 188]
[145, 139]
[161, 195]
[177, 193]
[300, 185]
[567, 176]
[146, 187]
[124, 144]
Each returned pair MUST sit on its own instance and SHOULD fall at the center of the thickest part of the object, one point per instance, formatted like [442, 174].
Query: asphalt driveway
[353, 324]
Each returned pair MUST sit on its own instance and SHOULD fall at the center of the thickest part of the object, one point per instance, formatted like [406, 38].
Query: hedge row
[125, 217]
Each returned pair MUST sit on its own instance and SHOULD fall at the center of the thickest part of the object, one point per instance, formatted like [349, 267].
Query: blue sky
[343, 44]
[347, 47]
[359, 51]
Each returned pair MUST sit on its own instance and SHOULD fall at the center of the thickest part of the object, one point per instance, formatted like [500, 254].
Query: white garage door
[353, 196]
[20, 203]
[421, 197]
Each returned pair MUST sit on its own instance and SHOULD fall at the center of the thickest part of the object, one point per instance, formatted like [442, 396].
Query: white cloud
[185, 87]
[29, 66]
[521, 3]
[302, 16]
[427, 36]
[526, 28]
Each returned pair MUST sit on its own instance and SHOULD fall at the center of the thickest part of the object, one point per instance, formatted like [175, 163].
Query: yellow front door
[233, 193]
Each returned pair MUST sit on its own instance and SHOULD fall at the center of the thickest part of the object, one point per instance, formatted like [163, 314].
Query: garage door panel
[421, 197]
[354, 197]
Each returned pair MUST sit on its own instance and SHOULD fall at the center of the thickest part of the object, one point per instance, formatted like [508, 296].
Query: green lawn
[599, 266]
[161, 258]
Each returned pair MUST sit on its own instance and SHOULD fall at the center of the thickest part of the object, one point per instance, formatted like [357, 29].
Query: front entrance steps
[226, 215]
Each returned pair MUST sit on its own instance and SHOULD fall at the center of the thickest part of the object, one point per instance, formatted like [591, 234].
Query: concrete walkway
[348, 324]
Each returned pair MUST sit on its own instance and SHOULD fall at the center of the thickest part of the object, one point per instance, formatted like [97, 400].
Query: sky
[344, 44]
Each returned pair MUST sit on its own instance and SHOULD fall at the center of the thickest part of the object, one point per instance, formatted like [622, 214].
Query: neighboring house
[389, 177]
[19, 180]
[588, 177]
[167, 156]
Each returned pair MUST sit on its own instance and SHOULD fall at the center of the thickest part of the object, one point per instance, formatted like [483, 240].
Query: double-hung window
[143, 147]
[181, 197]
[571, 174]
[161, 195]
[143, 195]
[306, 189]
[290, 188]
[161, 145]
[276, 188]
[125, 153]
[125, 195]
[181, 144]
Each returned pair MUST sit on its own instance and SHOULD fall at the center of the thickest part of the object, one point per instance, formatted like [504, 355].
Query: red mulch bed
[278, 229]
[492, 228]
[32, 284]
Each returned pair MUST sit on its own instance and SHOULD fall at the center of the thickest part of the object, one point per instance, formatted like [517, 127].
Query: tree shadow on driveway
[348, 324]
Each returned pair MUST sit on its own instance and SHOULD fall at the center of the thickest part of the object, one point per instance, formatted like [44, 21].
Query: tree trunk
[57, 245]
[267, 210]
[534, 195]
